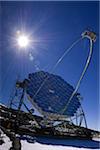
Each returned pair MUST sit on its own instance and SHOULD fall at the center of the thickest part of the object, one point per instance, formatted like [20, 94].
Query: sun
[23, 41]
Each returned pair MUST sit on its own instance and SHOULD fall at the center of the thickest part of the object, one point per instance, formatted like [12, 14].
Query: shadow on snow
[63, 142]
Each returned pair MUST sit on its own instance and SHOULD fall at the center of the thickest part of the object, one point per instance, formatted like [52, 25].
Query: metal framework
[79, 119]
[18, 101]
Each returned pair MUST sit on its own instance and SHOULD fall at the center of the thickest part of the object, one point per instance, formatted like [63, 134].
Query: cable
[81, 77]
[57, 63]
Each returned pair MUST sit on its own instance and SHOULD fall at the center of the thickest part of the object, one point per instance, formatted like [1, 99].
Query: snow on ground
[7, 143]
[55, 144]
[37, 146]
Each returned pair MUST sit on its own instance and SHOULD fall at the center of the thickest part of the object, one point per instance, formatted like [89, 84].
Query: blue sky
[54, 26]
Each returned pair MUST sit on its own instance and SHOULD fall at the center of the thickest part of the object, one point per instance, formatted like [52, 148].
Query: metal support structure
[21, 100]
[17, 99]
[79, 119]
